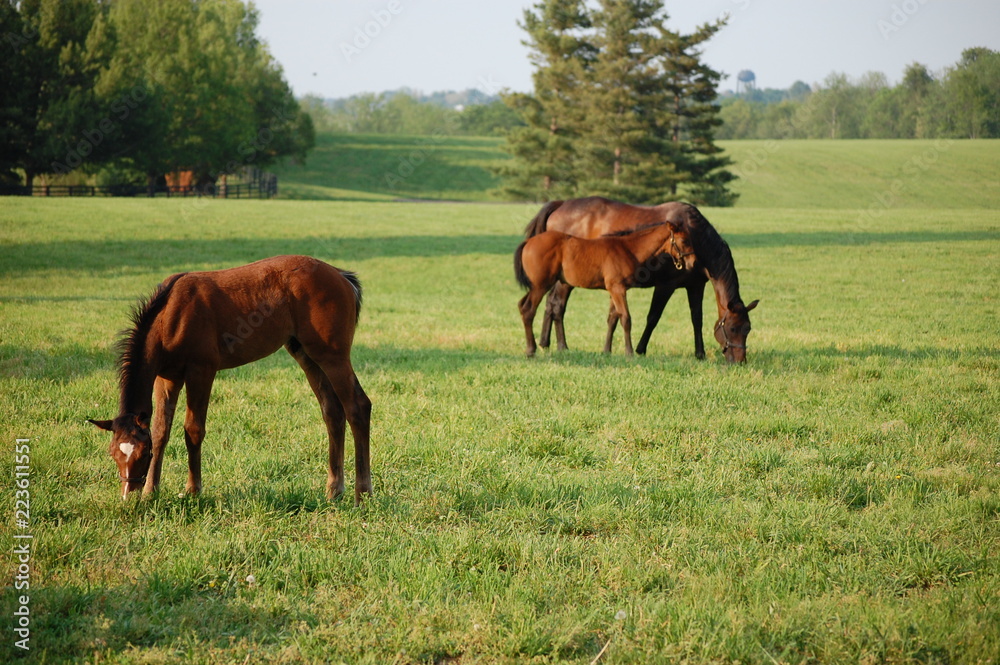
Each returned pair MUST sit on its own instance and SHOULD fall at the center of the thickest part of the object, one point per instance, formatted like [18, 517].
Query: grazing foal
[613, 263]
[198, 323]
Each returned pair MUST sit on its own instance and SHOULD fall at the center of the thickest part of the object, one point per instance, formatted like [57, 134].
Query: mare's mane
[711, 250]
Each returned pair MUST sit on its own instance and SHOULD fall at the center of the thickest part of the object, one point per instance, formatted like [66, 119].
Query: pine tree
[544, 155]
[693, 115]
[622, 107]
[621, 146]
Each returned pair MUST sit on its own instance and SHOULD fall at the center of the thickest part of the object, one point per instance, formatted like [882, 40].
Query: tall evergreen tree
[544, 151]
[622, 106]
[623, 146]
[690, 85]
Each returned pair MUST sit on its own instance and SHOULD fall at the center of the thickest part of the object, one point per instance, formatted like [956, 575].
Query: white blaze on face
[126, 449]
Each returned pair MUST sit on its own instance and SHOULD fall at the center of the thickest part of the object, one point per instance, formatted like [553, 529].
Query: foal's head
[731, 331]
[678, 245]
[131, 448]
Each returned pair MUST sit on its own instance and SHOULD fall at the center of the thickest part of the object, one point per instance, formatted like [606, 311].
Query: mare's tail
[538, 224]
[519, 274]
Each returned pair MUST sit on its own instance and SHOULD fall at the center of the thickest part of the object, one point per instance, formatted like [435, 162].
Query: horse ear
[142, 420]
[752, 305]
[101, 424]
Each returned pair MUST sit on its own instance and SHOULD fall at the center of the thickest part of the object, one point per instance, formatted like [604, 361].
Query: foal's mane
[132, 342]
[711, 250]
[628, 232]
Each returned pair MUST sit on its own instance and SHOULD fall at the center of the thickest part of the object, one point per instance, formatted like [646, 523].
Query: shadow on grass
[161, 611]
[61, 364]
[113, 256]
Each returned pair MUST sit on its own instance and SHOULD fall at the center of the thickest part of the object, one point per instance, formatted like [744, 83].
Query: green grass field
[836, 499]
[868, 175]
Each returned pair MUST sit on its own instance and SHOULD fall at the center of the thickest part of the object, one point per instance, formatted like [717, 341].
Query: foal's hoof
[360, 494]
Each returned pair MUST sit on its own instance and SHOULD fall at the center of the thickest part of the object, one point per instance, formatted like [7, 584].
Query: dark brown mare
[595, 216]
[198, 323]
[611, 263]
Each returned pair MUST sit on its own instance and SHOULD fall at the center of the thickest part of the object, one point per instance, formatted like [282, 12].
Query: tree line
[962, 102]
[470, 113]
[135, 89]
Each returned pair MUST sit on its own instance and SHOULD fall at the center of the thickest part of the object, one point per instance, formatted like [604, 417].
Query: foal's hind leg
[528, 305]
[357, 409]
[333, 416]
[555, 309]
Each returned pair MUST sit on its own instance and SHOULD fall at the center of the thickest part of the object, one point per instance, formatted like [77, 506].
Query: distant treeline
[962, 102]
[467, 113]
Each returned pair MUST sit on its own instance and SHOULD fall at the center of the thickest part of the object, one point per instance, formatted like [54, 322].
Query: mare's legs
[198, 382]
[333, 416]
[165, 393]
[357, 408]
[696, 295]
[661, 295]
[527, 306]
[619, 303]
[555, 309]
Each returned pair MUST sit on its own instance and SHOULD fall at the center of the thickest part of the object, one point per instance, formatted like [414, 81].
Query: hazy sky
[337, 48]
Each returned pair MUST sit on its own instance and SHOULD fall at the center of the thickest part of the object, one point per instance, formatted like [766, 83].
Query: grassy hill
[857, 175]
[380, 167]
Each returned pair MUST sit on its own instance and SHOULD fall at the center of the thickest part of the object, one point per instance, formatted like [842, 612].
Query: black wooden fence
[264, 188]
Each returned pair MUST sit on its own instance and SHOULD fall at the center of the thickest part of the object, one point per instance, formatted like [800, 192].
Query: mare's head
[731, 331]
[131, 448]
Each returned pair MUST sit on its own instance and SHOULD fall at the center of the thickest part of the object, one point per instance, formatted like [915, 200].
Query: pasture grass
[836, 499]
[868, 176]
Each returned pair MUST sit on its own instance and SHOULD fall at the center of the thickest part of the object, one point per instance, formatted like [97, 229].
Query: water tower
[748, 79]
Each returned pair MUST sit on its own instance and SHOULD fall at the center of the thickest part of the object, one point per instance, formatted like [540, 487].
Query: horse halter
[126, 479]
[725, 337]
[679, 256]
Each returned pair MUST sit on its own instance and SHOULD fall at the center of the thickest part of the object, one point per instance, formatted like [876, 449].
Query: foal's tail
[519, 274]
[538, 224]
[352, 277]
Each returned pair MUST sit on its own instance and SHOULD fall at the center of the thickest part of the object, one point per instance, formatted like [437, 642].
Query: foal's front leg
[199, 389]
[165, 393]
[620, 303]
[612, 324]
